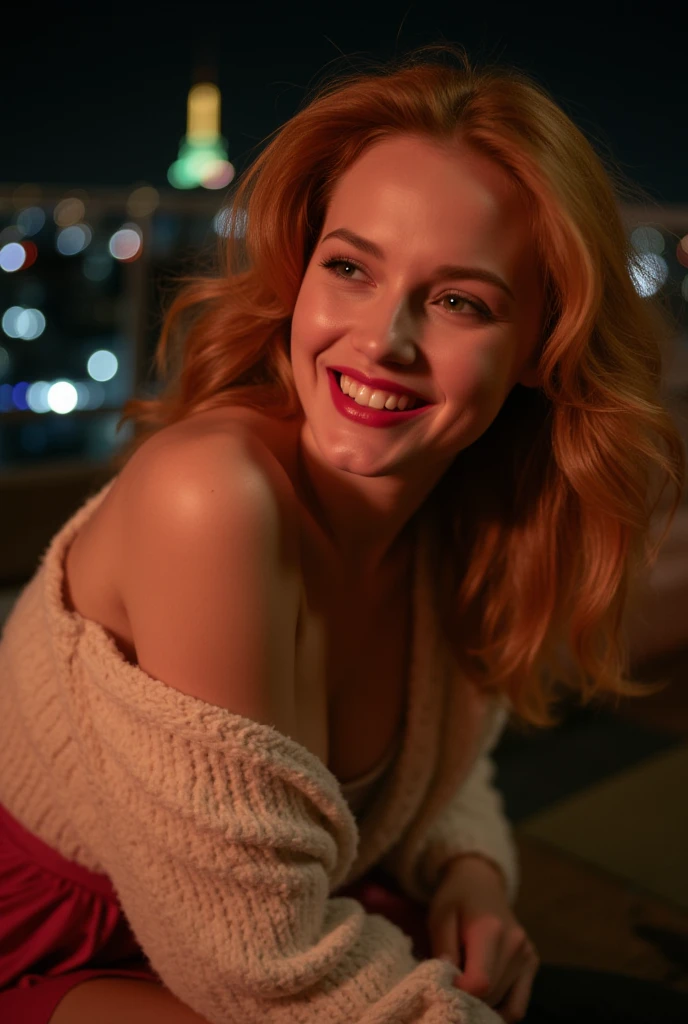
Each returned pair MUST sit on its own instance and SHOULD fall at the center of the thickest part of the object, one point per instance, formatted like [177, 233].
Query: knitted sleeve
[473, 821]
[223, 839]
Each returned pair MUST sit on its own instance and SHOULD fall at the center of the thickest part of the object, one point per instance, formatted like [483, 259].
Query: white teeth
[362, 394]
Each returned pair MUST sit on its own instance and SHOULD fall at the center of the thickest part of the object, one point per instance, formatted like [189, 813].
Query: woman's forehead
[443, 205]
[409, 176]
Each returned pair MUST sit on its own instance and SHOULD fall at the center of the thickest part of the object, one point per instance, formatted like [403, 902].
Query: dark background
[96, 94]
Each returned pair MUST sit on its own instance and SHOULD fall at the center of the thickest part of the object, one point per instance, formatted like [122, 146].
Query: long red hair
[537, 560]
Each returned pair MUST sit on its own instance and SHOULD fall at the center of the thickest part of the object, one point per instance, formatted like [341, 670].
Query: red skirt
[60, 925]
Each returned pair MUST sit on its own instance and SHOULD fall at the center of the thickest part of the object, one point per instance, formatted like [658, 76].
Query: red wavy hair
[553, 537]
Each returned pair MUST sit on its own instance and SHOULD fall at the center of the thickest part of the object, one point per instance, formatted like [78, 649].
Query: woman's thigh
[122, 1001]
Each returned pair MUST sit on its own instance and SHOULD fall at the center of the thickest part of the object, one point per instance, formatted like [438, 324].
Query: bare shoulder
[210, 573]
[224, 455]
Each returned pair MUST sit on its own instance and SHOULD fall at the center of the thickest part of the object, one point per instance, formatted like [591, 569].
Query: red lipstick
[364, 414]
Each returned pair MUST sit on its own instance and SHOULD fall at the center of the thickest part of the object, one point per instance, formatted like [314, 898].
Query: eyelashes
[331, 263]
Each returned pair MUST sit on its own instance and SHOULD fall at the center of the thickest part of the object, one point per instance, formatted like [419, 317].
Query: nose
[393, 340]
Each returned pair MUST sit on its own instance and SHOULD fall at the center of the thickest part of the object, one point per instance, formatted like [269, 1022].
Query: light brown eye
[334, 262]
[463, 300]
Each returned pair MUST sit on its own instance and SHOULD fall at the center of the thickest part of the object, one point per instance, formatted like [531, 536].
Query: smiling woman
[437, 215]
[395, 485]
[540, 555]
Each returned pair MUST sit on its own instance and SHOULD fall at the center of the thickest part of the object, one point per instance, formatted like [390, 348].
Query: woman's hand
[470, 924]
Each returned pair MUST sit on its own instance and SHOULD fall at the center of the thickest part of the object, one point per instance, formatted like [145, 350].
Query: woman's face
[458, 337]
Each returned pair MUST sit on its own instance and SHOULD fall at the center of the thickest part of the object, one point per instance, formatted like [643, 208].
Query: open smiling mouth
[366, 414]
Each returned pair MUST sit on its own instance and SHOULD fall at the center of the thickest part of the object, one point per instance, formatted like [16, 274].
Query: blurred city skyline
[97, 96]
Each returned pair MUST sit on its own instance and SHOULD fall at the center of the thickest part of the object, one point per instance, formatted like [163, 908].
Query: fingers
[515, 1009]
[483, 944]
[494, 974]
[519, 956]
[445, 940]
[516, 1005]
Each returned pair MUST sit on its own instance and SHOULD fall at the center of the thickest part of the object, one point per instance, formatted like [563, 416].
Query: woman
[396, 485]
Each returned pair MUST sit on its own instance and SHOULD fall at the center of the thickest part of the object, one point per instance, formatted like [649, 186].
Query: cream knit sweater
[226, 840]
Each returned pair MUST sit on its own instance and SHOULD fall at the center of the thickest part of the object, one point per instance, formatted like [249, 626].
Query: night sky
[95, 95]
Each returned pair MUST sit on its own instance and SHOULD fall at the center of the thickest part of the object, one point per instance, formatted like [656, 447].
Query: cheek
[474, 371]
[307, 311]
[313, 327]
[476, 383]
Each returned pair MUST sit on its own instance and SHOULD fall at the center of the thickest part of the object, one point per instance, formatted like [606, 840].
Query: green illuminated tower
[202, 156]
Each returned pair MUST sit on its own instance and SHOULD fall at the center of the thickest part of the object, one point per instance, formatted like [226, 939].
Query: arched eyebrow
[444, 270]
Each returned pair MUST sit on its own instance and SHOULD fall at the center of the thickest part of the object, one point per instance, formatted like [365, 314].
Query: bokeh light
[217, 174]
[31, 220]
[27, 324]
[9, 320]
[37, 396]
[69, 211]
[26, 195]
[222, 223]
[62, 397]
[30, 324]
[648, 239]
[10, 234]
[12, 257]
[125, 244]
[19, 394]
[97, 264]
[650, 274]
[102, 365]
[682, 251]
[31, 251]
[143, 201]
[73, 240]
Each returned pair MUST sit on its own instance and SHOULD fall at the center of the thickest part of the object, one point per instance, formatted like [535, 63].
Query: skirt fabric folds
[60, 925]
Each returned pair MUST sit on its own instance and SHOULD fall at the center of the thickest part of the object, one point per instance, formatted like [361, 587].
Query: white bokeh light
[125, 244]
[648, 239]
[12, 257]
[37, 396]
[650, 274]
[222, 223]
[30, 324]
[102, 365]
[62, 397]
[9, 321]
[18, 322]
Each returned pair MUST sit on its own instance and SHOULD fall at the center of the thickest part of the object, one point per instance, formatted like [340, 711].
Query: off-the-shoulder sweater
[225, 839]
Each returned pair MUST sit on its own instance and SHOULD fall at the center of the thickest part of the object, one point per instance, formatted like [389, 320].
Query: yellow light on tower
[203, 113]
[202, 156]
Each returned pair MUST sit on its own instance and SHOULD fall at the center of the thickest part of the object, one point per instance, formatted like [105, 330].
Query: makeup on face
[366, 414]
